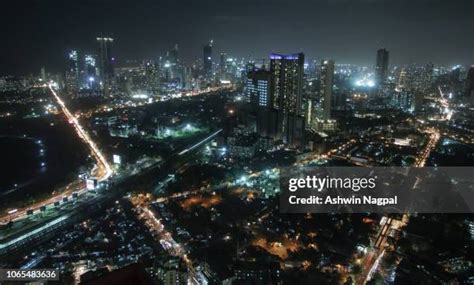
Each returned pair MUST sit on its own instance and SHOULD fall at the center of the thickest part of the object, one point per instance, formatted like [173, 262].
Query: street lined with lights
[103, 172]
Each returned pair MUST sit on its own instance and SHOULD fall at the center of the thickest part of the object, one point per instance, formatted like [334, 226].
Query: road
[90, 202]
[164, 237]
[375, 255]
[103, 172]
[423, 156]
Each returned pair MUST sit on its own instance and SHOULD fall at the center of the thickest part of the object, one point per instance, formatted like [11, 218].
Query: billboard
[91, 183]
[117, 159]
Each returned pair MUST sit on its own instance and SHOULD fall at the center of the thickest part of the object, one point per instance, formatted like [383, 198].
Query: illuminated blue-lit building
[287, 82]
[286, 88]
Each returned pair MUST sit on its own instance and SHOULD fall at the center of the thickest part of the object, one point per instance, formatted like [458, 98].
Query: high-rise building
[207, 58]
[381, 67]
[222, 66]
[151, 75]
[257, 91]
[106, 60]
[90, 65]
[257, 88]
[406, 100]
[174, 55]
[90, 71]
[72, 73]
[326, 84]
[73, 62]
[470, 83]
[287, 82]
[286, 90]
[402, 80]
[43, 73]
[188, 77]
[171, 66]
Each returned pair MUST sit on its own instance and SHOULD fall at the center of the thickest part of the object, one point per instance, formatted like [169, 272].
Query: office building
[326, 84]
[174, 55]
[90, 71]
[287, 82]
[106, 60]
[43, 73]
[207, 58]
[257, 88]
[381, 67]
[286, 88]
[72, 74]
[222, 67]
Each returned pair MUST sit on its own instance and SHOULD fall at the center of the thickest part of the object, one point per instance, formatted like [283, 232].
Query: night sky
[38, 33]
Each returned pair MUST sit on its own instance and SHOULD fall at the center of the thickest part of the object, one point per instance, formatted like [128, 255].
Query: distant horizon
[121, 62]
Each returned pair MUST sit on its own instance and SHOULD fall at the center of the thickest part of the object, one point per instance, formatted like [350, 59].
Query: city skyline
[237, 142]
[413, 31]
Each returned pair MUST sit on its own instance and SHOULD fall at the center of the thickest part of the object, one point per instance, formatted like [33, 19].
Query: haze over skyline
[39, 33]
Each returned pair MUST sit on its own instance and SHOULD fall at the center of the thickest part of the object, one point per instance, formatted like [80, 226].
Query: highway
[103, 172]
[105, 169]
[68, 213]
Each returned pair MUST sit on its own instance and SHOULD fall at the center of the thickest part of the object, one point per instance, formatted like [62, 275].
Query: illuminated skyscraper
[257, 91]
[287, 82]
[257, 88]
[90, 71]
[381, 67]
[90, 65]
[72, 73]
[327, 75]
[73, 64]
[151, 75]
[222, 66]
[286, 95]
[207, 58]
[171, 67]
[402, 80]
[106, 60]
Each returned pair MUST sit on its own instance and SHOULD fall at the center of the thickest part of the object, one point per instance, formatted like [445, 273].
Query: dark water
[20, 160]
[21, 141]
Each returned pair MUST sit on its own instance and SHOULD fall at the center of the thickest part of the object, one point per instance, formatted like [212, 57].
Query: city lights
[138, 149]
